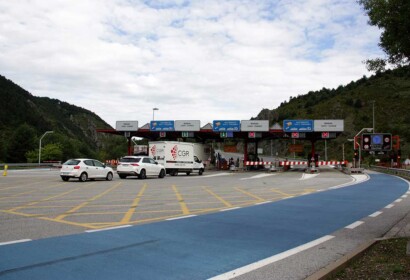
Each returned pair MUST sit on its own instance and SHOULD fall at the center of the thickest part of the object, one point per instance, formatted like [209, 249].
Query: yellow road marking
[282, 193]
[181, 201]
[42, 200]
[72, 210]
[250, 194]
[37, 190]
[131, 211]
[85, 225]
[218, 197]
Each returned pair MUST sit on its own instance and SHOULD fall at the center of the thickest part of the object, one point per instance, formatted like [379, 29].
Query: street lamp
[153, 113]
[360, 149]
[39, 146]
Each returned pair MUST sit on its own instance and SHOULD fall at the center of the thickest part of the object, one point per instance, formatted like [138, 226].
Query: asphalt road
[251, 221]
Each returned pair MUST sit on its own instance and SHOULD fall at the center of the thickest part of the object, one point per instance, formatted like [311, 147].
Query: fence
[31, 165]
[395, 171]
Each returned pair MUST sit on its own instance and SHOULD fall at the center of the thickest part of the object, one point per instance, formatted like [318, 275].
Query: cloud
[192, 59]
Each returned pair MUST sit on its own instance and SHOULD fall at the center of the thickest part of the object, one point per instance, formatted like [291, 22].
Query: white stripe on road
[212, 175]
[14, 242]
[306, 176]
[389, 206]
[258, 176]
[355, 225]
[375, 214]
[182, 217]
[260, 203]
[229, 209]
[398, 200]
[104, 229]
[253, 266]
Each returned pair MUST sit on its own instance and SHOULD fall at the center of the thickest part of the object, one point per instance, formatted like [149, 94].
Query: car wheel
[200, 172]
[122, 176]
[162, 173]
[143, 174]
[109, 176]
[83, 177]
[65, 178]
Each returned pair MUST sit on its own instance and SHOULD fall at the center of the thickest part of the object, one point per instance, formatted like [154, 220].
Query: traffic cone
[5, 170]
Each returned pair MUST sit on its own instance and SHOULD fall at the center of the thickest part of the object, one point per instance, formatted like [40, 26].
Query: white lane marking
[375, 214]
[356, 179]
[258, 176]
[355, 225]
[229, 209]
[14, 242]
[182, 217]
[389, 206]
[306, 176]
[104, 229]
[263, 202]
[404, 196]
[398, 200]
[212, 175]
[253, 266]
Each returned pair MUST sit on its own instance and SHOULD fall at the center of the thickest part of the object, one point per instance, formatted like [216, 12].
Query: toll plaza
[248, 131]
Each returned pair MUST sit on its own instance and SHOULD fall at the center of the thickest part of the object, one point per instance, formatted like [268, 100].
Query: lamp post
[153, 113]
[360, 148]
[39, 146]
[373, 101]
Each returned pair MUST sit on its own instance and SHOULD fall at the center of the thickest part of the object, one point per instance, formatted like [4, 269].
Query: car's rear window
[72, 162]
[129, 159]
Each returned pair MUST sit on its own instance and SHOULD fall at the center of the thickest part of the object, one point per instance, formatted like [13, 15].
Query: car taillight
[77, 167]
[134, 164]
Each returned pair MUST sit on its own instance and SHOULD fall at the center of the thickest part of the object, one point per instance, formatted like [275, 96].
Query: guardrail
[395, 171]
[30, 165]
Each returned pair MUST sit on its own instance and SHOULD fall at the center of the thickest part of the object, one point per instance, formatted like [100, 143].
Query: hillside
[354, 103]
[24, 118]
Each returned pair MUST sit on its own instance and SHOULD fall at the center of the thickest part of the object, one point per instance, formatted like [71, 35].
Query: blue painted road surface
[199, 247]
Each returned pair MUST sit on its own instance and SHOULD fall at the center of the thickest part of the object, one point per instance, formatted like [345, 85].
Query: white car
[141, 166]
[84, 168]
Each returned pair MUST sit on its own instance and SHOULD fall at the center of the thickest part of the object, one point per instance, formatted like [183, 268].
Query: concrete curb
[332, 269]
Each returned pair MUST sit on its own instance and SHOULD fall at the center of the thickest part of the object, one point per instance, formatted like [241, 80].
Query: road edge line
[256, 265]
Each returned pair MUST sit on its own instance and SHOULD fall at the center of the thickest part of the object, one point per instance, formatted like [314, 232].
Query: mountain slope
[74, 127]
[390, 92]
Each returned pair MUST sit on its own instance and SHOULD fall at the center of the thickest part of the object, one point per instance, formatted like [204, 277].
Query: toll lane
[199, 247]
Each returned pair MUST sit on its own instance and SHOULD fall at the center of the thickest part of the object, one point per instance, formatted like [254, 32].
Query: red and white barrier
[252, 163]
[292, 163]
[320, 163]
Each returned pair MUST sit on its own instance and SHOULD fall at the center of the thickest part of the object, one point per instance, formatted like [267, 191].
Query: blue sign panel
[162, 126]
[298, 125]
[226, 125]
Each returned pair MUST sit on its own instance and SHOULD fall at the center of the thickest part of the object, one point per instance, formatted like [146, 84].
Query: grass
[385, 260]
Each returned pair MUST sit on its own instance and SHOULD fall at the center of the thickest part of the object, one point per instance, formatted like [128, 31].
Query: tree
[23, 139]
[392, 16]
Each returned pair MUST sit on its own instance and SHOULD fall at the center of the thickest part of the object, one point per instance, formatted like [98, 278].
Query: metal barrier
[30, 165]
[395, 171]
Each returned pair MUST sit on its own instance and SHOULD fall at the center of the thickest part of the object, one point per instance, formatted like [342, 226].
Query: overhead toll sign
[221, 125]
[126, 125]
[162, 126]
[256, 125]
[187, 125]
[298, 125]
[377, 142]
[328, 125]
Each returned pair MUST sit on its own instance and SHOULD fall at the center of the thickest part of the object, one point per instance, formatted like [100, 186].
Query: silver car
[84, 168]
[141, 166]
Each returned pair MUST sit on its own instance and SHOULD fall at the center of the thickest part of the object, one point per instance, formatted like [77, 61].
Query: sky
[193, 60]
